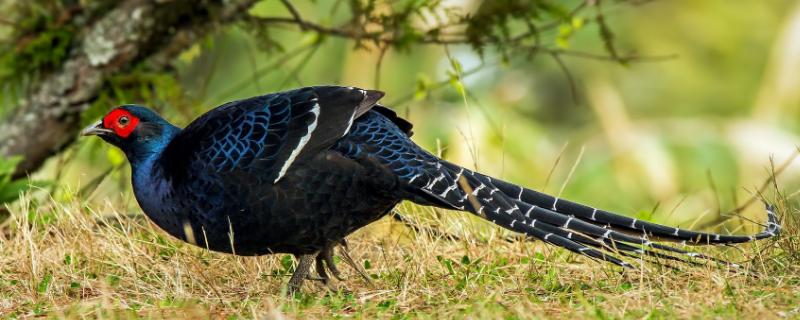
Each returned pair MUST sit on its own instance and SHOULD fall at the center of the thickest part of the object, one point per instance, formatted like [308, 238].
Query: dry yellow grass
[62, 259]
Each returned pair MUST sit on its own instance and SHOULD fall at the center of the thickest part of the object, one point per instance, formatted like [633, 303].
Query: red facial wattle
[121, 128]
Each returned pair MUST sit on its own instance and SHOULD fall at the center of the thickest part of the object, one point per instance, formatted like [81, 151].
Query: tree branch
[344, 32]
[48, 119]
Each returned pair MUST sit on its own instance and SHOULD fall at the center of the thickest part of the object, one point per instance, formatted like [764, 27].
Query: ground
[65, 259]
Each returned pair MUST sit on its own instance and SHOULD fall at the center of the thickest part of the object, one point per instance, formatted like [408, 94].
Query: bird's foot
[325, 266]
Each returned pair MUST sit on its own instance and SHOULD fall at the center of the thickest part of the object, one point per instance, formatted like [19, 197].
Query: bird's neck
[142, 155]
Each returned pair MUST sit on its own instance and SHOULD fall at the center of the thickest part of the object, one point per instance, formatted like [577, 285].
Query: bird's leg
[320, 267]
[345, 251]
[304, 262]
[326, 255]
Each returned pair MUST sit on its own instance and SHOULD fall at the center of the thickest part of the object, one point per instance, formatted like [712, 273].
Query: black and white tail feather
[588, 231]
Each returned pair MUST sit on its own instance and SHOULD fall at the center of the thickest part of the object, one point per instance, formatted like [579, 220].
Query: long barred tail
[582, 229]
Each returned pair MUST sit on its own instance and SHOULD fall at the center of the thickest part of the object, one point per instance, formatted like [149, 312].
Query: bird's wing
[267, 134]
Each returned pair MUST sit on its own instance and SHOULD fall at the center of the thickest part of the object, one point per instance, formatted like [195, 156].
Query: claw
[327, 256]
[325, 263]
[345, 252]
[320, 267]
[312, 277]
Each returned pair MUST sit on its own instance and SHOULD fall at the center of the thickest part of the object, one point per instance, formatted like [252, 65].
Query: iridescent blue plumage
[298, 171]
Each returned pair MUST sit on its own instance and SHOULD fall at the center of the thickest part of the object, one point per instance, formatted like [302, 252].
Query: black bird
[297, 171]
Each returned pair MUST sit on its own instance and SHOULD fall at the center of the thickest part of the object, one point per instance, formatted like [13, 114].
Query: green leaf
[44, 284]
[457, 67]
[188, 55]
[458, 86]
[423, 87]
[564, 33]
[448, 264]
[113, 280]
[287, 263]
[10, 190]
[8, 165]
[577, 23]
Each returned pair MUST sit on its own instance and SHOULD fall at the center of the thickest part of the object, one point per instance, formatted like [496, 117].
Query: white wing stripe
[349, 124]
[300, 144]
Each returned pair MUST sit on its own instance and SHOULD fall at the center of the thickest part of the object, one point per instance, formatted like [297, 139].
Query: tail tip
[773, 227]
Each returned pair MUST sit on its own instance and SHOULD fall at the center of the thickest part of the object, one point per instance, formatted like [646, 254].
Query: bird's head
[136, 130]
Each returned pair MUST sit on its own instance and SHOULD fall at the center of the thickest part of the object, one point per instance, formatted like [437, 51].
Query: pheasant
[297, 171]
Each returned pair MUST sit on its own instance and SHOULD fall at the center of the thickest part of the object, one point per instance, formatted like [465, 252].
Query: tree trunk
[48, 119]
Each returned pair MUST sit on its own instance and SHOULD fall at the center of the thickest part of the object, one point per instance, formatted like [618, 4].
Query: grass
[63, 259]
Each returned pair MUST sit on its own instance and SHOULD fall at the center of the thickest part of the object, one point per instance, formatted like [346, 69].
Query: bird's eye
[123, 121]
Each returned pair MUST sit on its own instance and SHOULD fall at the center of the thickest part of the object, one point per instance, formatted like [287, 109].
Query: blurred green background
[690, 131]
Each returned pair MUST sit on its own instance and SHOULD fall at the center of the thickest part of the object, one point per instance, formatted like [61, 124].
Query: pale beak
[96, 129]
